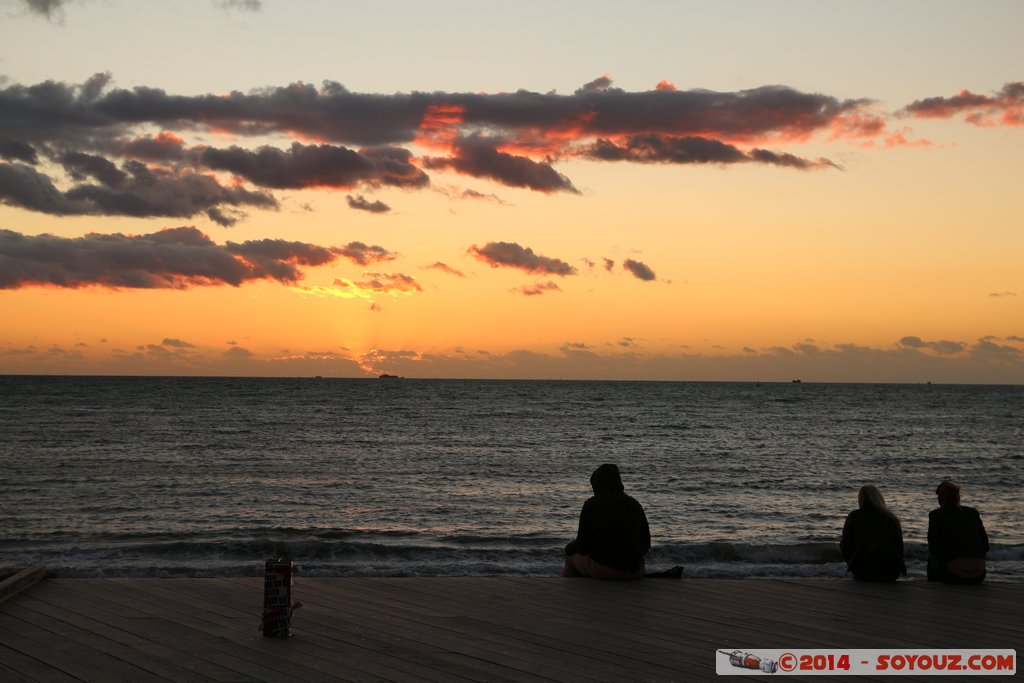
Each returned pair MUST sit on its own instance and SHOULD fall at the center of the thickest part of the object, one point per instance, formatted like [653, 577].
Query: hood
[606, 479]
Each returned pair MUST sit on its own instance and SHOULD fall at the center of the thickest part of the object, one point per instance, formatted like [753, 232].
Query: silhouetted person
[872, 542]
[957, 541]
[613, 535]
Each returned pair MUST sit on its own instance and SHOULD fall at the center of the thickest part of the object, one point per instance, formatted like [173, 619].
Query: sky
[734, 191]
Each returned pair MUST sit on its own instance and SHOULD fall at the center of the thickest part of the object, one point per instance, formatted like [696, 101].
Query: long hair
[870, 497]
[949, 494]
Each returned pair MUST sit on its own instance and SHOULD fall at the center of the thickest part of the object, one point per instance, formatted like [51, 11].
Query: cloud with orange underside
[1004, 108]
[371, 285]
[174, 258]
[364, 254]
[538, 289]
[439, 128]
[512, 255]
[339, 139]
[445, 268]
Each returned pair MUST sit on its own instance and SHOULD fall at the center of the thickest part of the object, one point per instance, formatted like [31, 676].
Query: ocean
[154, 477]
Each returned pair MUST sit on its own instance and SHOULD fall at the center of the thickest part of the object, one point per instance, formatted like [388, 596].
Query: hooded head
[949, 494]
[606, 479]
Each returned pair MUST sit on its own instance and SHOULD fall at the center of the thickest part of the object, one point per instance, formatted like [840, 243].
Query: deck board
[474, 628]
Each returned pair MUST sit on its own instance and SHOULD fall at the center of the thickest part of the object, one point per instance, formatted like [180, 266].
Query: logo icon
[745, 660]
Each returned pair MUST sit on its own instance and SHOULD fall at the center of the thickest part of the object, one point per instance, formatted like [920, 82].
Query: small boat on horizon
[387, 376]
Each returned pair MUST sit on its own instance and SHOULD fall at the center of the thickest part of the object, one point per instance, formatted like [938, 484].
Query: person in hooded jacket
[872, 543]
[957, 540]
[613, 534]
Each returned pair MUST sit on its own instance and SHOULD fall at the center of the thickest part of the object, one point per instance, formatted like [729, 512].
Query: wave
[384, 552]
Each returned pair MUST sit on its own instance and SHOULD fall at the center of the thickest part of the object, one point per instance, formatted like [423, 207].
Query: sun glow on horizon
[509, 212]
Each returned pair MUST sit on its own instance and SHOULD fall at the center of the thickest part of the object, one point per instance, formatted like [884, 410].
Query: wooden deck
[475, 629]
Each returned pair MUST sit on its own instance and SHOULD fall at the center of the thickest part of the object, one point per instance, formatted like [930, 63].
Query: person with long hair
[872, 542]
[957, 540]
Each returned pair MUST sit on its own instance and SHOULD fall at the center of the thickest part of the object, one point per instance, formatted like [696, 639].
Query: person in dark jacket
[613, 535]
[957, 541]
[872, 543]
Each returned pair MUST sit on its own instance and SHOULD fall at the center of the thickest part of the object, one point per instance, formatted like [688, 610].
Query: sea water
[105, 476]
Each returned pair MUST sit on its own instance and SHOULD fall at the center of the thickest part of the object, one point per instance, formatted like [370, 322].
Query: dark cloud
[161, 148]
[639, 270]
[538, 289]
[177, 343]
[479, 158]
[943, 346]
[609, 264]
[175, 258]
[315, 166]
[445, 268]
[364, 254]
[690, 150]
[1005, 107]
[363, 204]
[276, 259]
[385, 282]
[27, 188]
[599, 84]
[242, 5]
[51, 9]
[238, 353]
[224, 217]
[1001, 295]
[512, 255]
[134, 191]
[509, 138]
[765, 156]
[80, 166]
[393, 166]
[157, 351]
[912, 342]
[988, 348]
[17, 150]
[473, 194]
[333, 113]
[659, 148]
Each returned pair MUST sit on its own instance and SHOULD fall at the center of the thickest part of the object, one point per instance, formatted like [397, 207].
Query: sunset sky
[681, 191]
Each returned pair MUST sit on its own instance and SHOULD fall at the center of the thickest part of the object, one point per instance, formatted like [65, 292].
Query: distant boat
[387, 376]
[797, 381]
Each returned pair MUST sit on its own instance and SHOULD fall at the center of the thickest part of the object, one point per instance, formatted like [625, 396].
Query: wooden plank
[478, 628]
[155, 625]
[121, 641]
[400, 658]
[181, 605]
[361, 668]
[432, 639]
[71, 659]
[234, 648]
[460, 633]
[550, 648]
[21, 664]
[21, 581]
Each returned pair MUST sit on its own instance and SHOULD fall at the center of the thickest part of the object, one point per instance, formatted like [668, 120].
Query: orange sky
[831, 229]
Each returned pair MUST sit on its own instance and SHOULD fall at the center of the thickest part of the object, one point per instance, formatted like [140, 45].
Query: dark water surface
[207, 477]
